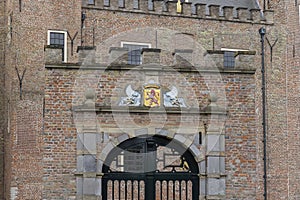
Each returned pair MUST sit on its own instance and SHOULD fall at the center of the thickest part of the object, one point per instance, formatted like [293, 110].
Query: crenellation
[188, 9]
[228, 12]
[158, 6]
[255, 15]
[243, 14]
[172, 7]
[144, 5]
[269, 16]
[214, 11]
[200, 10]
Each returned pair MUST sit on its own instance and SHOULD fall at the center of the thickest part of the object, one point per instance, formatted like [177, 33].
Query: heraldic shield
[152, 95]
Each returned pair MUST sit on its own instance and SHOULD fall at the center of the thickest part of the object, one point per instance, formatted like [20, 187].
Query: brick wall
[106, 27]
[3, 32]
[68, 87]
[25, 51]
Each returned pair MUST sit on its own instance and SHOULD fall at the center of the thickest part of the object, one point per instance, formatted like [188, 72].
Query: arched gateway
[148, 168]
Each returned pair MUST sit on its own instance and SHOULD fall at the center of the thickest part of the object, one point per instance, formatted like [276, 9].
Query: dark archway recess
[150, 168]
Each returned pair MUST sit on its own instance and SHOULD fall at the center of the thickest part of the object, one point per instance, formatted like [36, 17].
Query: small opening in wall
[200, 137]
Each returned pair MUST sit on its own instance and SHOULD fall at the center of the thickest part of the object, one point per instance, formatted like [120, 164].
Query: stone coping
[140, 109]
[237, 52]
[78, 66]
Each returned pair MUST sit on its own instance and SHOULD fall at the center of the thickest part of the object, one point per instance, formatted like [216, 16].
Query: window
[229, 59]
[59, 38]
[135, 52]
[91, 2]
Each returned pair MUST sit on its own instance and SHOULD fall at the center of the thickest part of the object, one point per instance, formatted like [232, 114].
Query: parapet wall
[188, 9]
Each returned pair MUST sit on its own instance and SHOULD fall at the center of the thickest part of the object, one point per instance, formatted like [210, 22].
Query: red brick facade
[61, 120]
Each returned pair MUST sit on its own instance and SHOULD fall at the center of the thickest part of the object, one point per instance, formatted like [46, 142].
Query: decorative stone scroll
[133, 98]
[171, 99]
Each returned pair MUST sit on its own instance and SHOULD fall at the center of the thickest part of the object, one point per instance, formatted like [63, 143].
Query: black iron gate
[150, 168]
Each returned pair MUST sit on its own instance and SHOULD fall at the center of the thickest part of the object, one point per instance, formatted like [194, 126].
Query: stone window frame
[65, 49]
[135, 44]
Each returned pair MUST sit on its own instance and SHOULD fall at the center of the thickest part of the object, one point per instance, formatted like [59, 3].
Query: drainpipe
[262, 32]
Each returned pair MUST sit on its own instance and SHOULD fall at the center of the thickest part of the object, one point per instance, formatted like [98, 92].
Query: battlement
[185, 9]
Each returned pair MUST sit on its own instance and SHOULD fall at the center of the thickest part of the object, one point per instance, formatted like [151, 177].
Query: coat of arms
[152, 95]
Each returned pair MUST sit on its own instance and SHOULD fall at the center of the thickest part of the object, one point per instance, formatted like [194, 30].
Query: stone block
[213, 143]
[79, 185]
[89, 163]
[89, 186]
[202, 166]
[90, 142]
[53, 54]
[213, 165]
[151, 55]
[98, 187]
[222, 165]
[118, 55]
[80, 146]
[216, 186]
[202, 186]
[143, 131]
[86, 54]
[80, 160]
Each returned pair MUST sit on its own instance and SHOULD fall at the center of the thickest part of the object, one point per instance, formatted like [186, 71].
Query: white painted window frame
[135, 43]
[65, 42]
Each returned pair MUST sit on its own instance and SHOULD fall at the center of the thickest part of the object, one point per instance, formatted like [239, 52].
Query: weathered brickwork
[61, 120]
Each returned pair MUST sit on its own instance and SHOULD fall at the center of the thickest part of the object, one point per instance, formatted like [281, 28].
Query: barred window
[229, 59]
[135, 52]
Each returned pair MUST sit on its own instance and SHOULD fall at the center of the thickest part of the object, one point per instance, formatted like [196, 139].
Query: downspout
[262, 32]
